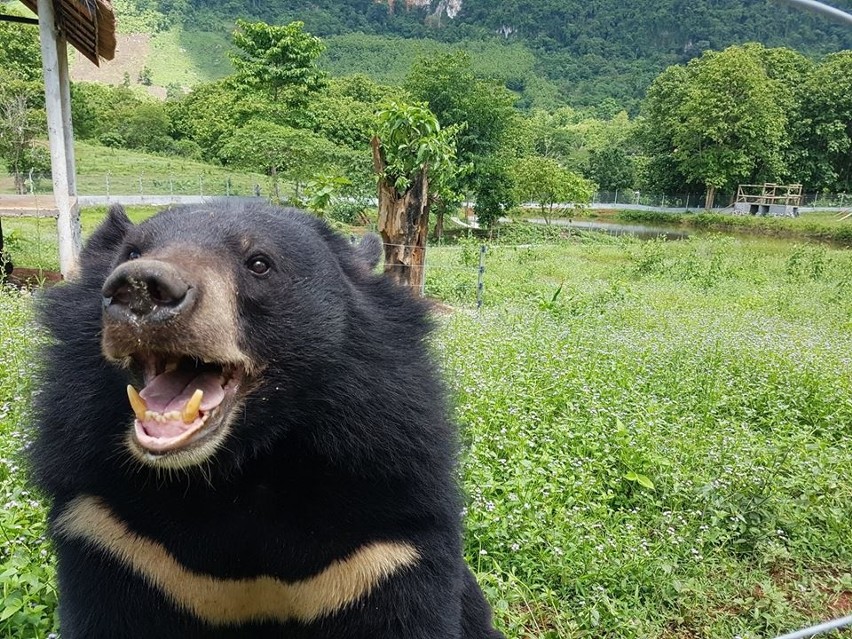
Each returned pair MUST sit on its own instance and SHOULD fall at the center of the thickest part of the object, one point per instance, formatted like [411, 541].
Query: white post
[69, 219]
[67, 124]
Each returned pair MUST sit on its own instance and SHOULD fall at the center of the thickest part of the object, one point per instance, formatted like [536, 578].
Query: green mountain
[581, 52]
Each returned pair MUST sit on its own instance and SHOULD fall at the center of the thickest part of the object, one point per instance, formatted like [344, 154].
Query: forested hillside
[578, 52]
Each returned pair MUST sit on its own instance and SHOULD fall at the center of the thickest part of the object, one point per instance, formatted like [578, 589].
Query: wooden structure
[88, 26]
[781, 200]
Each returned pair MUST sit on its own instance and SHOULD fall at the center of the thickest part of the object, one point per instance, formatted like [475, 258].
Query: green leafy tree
[732, 128]
[719, 120]
[20, 51]
[484, 114]
[280, 60]
[211, 113]
[18, 129]
[611, 168]
[144, 77]
[280, 151]
[495, 189]
[822, 128]
[448, 84]
[411, 152]
[144, 126]
[545, 182]
[322, 190]
[96, 108]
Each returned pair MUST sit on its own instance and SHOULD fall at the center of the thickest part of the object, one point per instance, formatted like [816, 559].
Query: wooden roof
[88, 25]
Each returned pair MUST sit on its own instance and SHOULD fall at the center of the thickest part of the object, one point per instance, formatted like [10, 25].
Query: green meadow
[655, 435]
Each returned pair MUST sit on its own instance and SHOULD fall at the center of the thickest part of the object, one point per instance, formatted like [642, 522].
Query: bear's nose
[146, 290]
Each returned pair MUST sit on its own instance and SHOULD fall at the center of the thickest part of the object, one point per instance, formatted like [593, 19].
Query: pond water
[641, 231]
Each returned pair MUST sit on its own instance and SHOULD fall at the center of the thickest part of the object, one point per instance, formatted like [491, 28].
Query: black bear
[6, 265]
[242, 434]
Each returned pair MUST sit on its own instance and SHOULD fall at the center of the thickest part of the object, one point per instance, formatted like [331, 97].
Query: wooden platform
[30, 206]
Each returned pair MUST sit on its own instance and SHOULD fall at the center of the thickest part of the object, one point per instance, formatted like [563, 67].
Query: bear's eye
[133, 254]
[258, 265]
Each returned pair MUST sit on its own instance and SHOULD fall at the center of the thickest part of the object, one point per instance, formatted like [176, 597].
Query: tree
[483, 111]
[662, 117]
[611, 168]
[278, 150]
[410, 150]
[495, 189]
[732, 127]
[17, 133]
[278, 60]
[822, 128]
[20, 51]
[144, 77]
[212, 111]
[456, 96]
[545, 182]
[719, 120]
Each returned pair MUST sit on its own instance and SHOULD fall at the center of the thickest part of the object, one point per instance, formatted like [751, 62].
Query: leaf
[640, 479]
[12, 606]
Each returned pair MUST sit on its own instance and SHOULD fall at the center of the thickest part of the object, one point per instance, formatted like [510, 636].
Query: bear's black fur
[6, 265]
[326, 506]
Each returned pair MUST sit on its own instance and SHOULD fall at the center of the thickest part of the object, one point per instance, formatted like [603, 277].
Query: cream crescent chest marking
[231, 601]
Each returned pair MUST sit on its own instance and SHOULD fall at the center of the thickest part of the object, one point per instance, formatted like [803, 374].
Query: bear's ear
[107, 237]
[369, 250]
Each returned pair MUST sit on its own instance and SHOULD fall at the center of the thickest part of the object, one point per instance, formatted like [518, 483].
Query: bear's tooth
[136, 403]
[190, 411]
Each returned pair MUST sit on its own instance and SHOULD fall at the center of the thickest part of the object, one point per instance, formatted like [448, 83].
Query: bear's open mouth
[182, 401]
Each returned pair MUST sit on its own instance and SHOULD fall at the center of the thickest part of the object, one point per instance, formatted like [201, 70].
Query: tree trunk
[275, 184]
[439, 222]
[711, 195]
[403, 224]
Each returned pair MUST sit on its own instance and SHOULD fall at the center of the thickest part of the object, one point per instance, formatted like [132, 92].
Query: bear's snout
[148, 291]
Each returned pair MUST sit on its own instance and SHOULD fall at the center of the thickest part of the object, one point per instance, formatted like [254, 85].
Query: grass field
[656, 435]
[102, 171]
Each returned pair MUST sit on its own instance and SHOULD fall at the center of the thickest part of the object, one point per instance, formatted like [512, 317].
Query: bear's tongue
[166, 396]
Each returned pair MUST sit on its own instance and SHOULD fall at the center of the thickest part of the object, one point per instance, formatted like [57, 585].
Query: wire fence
[220, 183]
[695, 201]
[213, 184]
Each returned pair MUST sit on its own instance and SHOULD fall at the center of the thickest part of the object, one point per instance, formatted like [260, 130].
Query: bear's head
[227, 325]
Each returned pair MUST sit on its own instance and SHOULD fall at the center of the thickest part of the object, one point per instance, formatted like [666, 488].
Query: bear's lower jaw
[185, 409]
[193, 448]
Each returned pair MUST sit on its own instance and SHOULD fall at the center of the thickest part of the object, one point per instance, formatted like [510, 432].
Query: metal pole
[480, 281]
[818, 629]
[423, 275]
[820, 7]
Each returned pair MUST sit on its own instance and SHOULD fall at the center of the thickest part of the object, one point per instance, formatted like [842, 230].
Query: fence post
[480, 280]
[141, 191]
[423, 274]
[616, 196]
[687, 202]
[171, 187]
[107, 185]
